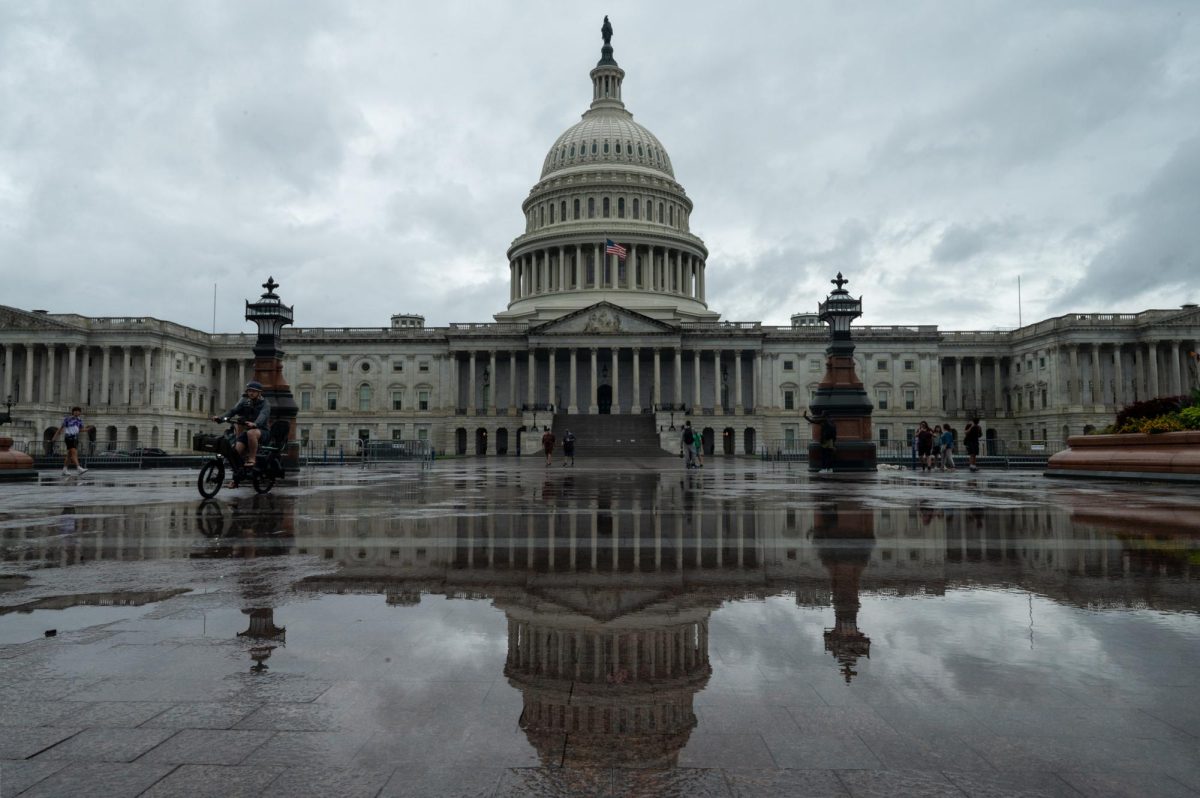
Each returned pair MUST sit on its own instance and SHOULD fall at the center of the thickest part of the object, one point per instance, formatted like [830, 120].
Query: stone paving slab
[982, 679]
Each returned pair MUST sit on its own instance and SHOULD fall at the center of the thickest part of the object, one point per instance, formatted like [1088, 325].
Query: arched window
[591, 207]
[629, 147]
[618, 148]
[562, 210]
[635, 207]
[620, 207]
[551, 213]
[606, 208]
[660, 213]
[541, 215]
[593, 146]
[572, 150]
[671, 214]
[640, 153]
[576, 208]
[364, 397]
[606, 146]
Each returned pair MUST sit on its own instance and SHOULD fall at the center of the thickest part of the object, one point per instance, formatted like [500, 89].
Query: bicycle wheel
[212, 474]
[262, 482]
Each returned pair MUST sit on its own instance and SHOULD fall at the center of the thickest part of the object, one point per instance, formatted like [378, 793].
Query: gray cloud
[374, 158]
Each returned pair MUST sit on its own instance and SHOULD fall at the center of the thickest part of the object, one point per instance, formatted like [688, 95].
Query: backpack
[687, 436]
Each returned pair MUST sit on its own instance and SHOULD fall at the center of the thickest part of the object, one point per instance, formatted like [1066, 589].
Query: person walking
[548, 444]
[948, 448]
[925, 445]
[828, 440]
[688, 442]
[568, 448]
[698, 445]
[935, 458]
[71, 428]
[971, 436]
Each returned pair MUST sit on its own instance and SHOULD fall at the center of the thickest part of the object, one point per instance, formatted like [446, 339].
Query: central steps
[609, 435]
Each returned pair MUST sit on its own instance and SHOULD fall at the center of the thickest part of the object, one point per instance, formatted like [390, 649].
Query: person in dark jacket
[827, 438]
[972, 434]
[252, 413]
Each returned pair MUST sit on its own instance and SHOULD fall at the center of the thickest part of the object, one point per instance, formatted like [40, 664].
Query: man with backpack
[569, 448]
[689, 445]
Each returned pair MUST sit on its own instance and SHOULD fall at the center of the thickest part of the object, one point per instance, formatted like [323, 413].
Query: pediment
[601, 604]
[603, 318]
[16, 319]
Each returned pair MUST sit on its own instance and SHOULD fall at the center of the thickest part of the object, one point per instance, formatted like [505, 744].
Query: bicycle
[262, 475]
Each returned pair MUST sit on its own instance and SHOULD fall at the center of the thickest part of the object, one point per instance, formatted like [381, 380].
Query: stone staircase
[609, 436]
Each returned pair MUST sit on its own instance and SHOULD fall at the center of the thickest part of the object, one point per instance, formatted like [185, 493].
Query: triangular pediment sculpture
[603, 318]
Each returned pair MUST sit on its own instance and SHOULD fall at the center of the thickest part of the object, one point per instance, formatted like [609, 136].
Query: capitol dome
[607, 221]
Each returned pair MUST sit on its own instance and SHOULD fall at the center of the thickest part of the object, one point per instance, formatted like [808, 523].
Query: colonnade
[574, 267]
[595, 655]
[725, 391]
[1113, 374]
[133, 376]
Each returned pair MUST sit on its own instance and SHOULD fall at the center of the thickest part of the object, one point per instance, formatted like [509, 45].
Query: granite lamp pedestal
[272, 316]
[1165, 455]
[14, 465]
[841, 396]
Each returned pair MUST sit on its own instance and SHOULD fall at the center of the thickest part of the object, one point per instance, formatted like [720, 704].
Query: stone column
[657, 395]
[997, 399]
[531, 380]
[553, 398]
[50, 369]
[1074, 388]
[1177, 352]
[1097, 393]
[718, 400]
[957, 405]
[471, 408]
[242, 377]
[636, 407]
[224, 385]
[71, 394]
[105, 359]
[493, 381]
[756, 381]
[738, 409]
[678, 376]
[1152, 386]
[1119, 393]
[27, 386]
[978, 388]
[126, 362]
[1138, 371]
[85, 378]
[573, 406]
[616, 385]
[594, 406]
[697, 400]
[8, 371]
[512, 382]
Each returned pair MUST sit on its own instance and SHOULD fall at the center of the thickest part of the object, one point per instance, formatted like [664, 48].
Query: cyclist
[251, 412]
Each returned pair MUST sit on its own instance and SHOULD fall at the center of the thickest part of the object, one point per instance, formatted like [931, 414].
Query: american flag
[613, 248]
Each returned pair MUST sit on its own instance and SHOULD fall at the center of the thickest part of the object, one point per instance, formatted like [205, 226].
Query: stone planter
[1167, 455]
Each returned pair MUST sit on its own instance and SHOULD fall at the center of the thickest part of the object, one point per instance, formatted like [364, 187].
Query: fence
[356, 451]
[993, 453]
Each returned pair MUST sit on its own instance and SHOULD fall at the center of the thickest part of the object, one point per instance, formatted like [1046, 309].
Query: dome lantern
[607, 76]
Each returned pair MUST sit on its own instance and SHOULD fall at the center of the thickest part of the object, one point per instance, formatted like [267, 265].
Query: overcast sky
[373, 158]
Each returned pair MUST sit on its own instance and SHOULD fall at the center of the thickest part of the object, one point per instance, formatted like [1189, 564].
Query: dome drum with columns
[607, 178]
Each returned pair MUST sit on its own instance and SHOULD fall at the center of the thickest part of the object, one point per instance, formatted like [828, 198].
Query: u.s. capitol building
[588, 332]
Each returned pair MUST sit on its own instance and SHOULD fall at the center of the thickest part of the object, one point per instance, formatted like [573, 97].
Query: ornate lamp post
[272, 316]
[841, 396]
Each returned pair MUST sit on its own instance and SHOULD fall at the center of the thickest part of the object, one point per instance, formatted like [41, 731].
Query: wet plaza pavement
[495, 627]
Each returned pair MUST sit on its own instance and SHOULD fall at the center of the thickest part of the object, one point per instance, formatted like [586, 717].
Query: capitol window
[562, 210]
[909, 365]
[364, 397]
[593, 146]
[397, 400]
[572, 150]
[606, 207]
[591, 207]
[671, 215]
[620, 207]
[635, 207]
[306, 400]
[618, 148]
[788, 365]
[640, 153]
[660, 213]
[606, 146]
[576, 209]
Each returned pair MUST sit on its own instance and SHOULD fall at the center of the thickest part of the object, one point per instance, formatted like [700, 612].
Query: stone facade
[589, 331]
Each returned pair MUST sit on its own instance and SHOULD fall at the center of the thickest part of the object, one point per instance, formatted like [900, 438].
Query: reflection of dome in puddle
[617, 692]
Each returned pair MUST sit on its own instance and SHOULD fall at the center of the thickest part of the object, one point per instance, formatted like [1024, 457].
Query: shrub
[1165, 423]
[1190, 417]
[1151, 408]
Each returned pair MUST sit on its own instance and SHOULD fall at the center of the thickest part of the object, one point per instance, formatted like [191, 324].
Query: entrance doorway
[481, 441]
[748, 444]
[460, 441]
[502, 440]
[729, 439]
[604, 398]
